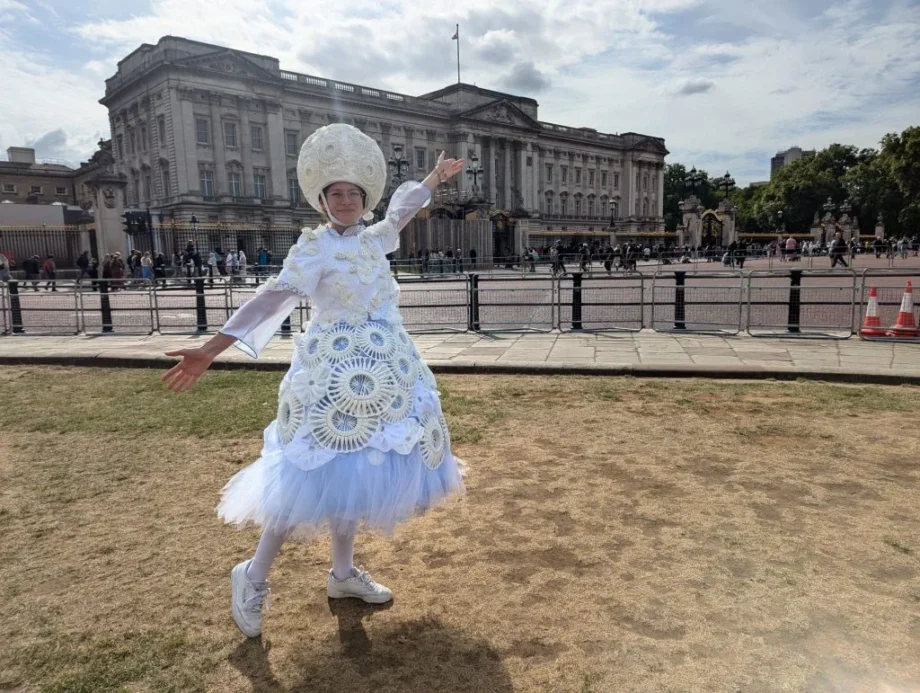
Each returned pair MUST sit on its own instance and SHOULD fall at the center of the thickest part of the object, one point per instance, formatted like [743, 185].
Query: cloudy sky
[726, 83]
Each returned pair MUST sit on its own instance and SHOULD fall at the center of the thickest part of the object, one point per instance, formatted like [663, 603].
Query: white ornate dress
[360, 438]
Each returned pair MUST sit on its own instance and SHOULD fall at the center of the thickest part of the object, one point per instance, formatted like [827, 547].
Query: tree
[676, 190]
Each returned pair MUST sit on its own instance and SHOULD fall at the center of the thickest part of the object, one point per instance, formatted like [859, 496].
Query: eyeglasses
[351, 195]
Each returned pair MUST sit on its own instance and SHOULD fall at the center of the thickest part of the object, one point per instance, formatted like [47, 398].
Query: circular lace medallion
[361, 387]
[404, 338]
[338, 343]
[405, 370]
[308, 351]
[290, 414]
[433, 442]
[336, 430]
[398, 409]
[376, 341]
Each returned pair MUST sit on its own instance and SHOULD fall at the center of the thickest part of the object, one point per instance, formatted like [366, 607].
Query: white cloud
[725, 83]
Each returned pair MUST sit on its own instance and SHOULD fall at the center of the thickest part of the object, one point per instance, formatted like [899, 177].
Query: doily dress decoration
[360, 386]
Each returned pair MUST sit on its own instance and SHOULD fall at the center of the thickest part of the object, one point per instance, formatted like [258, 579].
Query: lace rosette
[361, 387]
[309, 385]
[336, 430]
[376, 341]
[405, 371]
[291, 413]
[308, 351]
[398, 409]
[338, 343]
[433, 443]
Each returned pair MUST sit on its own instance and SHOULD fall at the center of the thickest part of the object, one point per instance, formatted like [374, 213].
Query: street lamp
[846, 208]
[474, 170]
[726, 183]
[694, 180]
[398, 164]
[829, 206]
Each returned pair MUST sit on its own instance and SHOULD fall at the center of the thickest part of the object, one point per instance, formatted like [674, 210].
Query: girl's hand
[446, 169]
[185, 374]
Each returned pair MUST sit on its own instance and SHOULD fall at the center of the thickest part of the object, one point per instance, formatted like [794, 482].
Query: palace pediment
[227, 62]
[501, 112]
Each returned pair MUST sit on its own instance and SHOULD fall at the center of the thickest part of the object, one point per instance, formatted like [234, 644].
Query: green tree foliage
[677, 189]
[884, 181]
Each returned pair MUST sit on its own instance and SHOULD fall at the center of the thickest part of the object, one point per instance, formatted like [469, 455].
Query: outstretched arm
[444, 170]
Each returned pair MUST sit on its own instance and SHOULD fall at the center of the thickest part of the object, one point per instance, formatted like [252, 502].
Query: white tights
[343, 555]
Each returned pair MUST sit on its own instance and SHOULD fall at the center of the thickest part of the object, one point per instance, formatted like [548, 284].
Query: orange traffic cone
[872, 325]
[905, 326]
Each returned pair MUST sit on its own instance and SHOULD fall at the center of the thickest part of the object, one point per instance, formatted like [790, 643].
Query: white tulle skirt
[300, 488]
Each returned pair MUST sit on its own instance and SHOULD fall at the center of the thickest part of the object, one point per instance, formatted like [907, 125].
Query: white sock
[261, 563]
[343, 555]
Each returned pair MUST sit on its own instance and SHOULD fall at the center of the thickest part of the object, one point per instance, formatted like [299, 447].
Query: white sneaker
[360, 585]
[246, 599]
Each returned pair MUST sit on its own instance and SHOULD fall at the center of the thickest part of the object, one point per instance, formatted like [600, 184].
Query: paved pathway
[643, 353]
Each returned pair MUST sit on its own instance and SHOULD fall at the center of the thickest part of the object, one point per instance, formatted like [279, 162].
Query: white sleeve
[256, 321]
[408, 199]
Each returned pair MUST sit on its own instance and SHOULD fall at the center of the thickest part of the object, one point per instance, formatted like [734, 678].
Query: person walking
[360, 439]
[5, 275]
[837, 250]
[50, 270]
[83, 265]
[146, 266]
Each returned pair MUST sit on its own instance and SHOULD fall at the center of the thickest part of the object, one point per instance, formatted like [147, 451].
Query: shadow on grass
[418, 655]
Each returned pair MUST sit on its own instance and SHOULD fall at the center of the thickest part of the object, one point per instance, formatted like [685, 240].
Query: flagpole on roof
[456, 38]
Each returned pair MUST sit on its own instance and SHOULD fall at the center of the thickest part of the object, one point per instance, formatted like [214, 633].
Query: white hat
[340, 153]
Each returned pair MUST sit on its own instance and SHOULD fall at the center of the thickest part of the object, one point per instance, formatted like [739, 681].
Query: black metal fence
[787, 303]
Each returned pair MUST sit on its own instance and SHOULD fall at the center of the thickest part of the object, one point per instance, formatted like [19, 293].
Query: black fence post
[680, 305]
[15, 306]
[576, 301]
[200, 305]
[474, 302]
[795, 300]
[105, 306]
[286, 327]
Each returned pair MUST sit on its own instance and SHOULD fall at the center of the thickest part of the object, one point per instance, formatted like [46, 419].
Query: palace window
[565, 175]
[235, 183]
[255, 133]
[202, 131]
[258, 186]
[549, 173]
[206, 181]
[229, 134]
[603, 179]
[290, 143]
[577, 176]
[420, 156]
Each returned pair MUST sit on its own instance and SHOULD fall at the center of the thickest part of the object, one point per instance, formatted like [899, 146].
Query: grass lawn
[618, 535]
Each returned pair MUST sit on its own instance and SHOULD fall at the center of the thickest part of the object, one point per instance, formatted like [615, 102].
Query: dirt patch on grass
[618, 535]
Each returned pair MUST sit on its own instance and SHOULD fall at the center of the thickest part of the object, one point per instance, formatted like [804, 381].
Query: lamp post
[829, 207]
[726, 184]
[693, 180]
[398, 164]
[474, 170]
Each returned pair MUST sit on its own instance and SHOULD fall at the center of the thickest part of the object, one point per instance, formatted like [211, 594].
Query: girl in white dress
[359, 440]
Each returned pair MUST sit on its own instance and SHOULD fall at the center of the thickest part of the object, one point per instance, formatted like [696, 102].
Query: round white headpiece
[341, 153]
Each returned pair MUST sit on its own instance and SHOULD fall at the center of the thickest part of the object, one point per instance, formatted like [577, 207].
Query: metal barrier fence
[435, 305]
[512, 304]
[697, 301]
[788, 303]
[614, 303]
[889, 285]
[801, 303]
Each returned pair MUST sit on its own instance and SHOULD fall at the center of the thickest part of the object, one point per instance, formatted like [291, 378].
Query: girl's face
[346, 202]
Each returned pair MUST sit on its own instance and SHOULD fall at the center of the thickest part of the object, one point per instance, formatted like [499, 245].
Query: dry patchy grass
[618, 535]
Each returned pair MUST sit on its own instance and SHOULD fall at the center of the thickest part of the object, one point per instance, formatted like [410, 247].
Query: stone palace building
[211, 132]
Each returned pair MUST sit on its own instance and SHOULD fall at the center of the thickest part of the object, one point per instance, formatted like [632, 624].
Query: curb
[863, 377]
